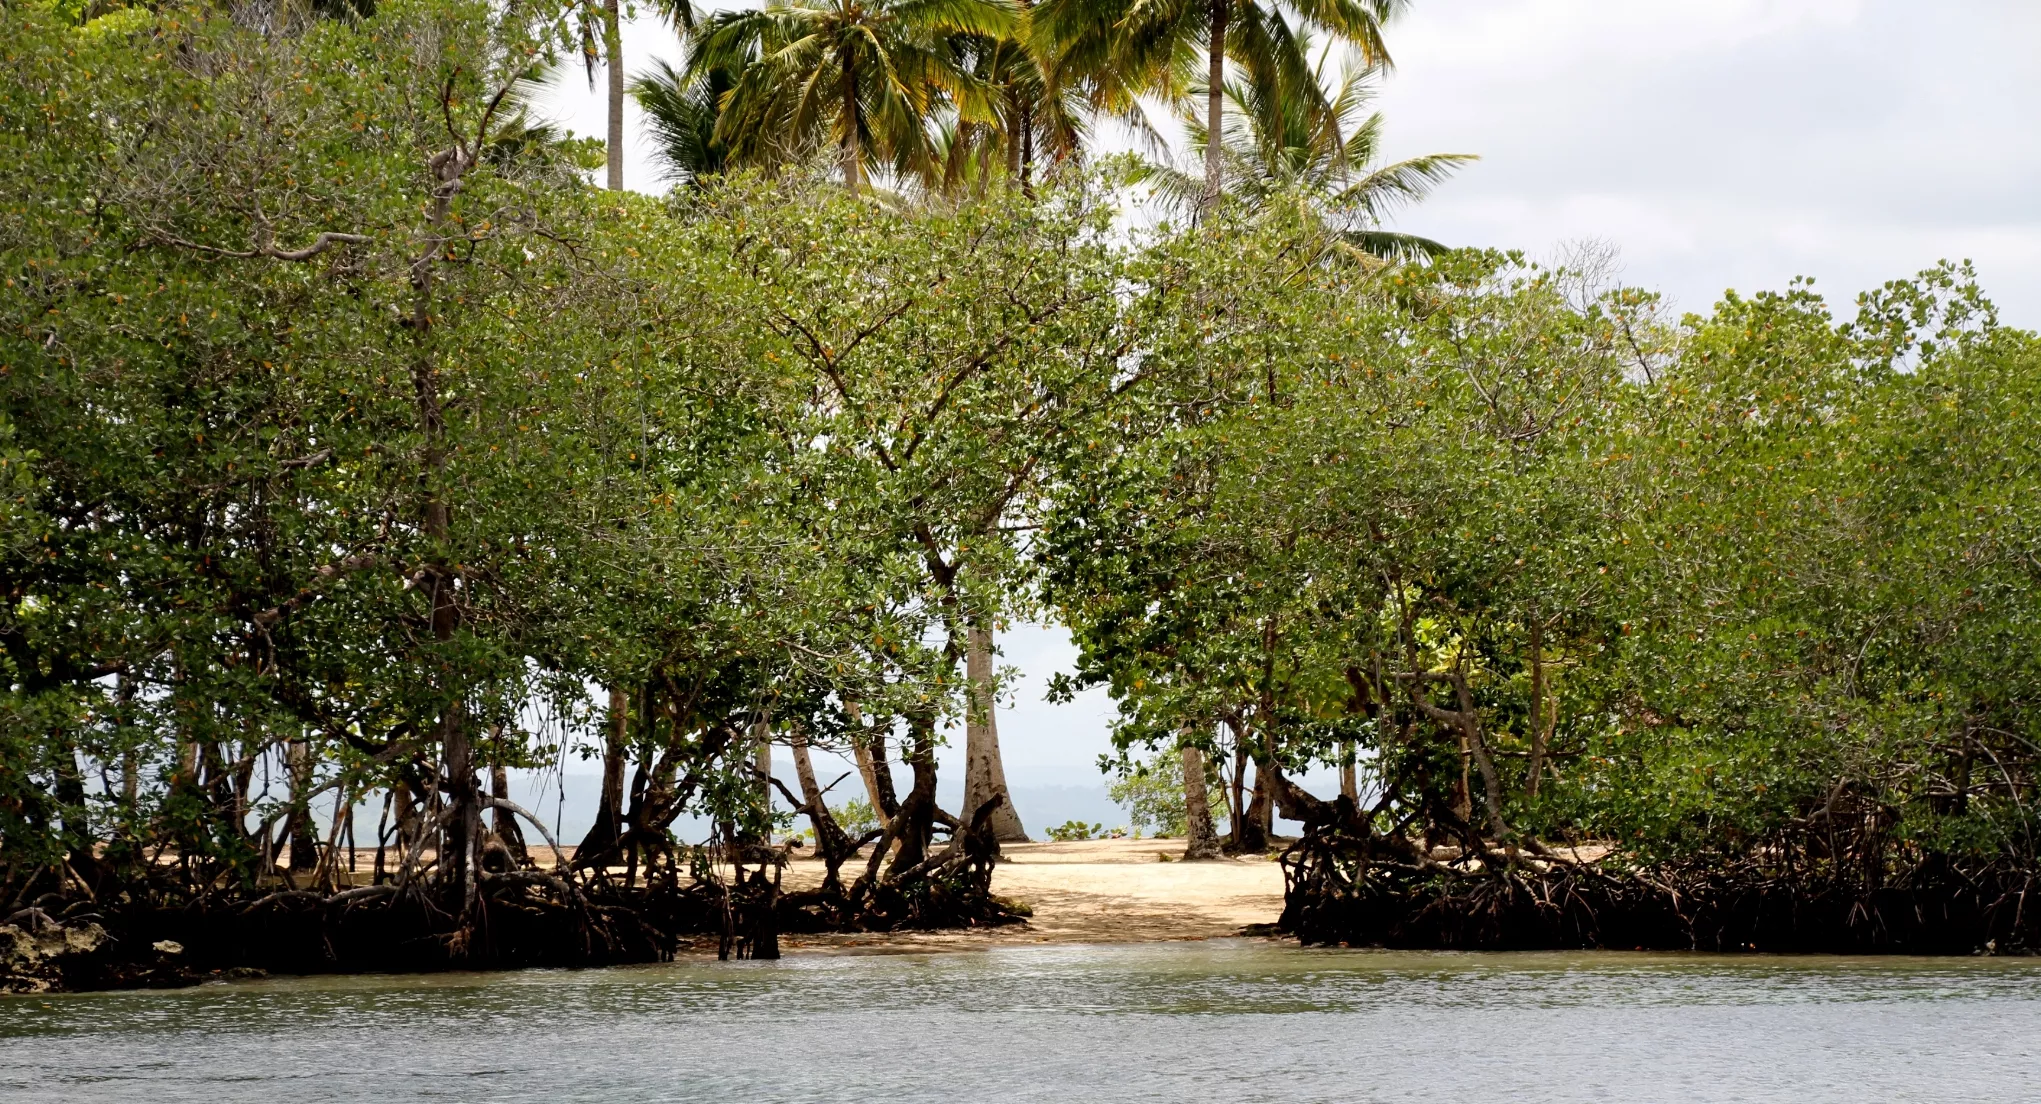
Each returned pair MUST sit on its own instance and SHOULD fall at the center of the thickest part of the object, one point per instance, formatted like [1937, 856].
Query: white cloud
[1519, 36]
[1735, 142]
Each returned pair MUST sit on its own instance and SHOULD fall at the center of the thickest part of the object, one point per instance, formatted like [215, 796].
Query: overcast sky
[1712, 143]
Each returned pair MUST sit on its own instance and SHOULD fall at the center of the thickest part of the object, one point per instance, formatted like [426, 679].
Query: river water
[1223, 1021]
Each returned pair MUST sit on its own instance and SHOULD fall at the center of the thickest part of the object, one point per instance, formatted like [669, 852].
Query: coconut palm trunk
[1215, 103]
[847, 88]
[613, 48]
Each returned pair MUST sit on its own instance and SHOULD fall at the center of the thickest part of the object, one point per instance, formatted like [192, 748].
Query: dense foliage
[356, 450]
[1744, 589]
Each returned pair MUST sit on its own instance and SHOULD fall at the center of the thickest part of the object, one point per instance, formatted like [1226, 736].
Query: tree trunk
[1477, 746]
[1463, 785]
[1349, 784]
[613, 46]
[761, 766]
[869, 746]
[1215, 105]
[1013, 146]
[1539, 733]
[984, 775]
[304, 841]
[505, 821]
[130, 758]
[404, 810]
[847, 90]
[1027, 157]
[463, 836]
[1236, 810]
[463, 829]
[1200, 842]
[831, 844]
[1260, 819]
[917, 813]
[609, 807]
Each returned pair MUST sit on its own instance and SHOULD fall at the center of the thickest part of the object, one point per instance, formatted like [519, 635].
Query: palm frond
[1389, 246]
[1388, 187]
[681, 110]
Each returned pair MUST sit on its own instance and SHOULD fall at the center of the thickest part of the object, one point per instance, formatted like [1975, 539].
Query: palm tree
[1278, 146]
[1121, 49]
[603, 20]
[1031, 117]
[681, 109]
[863, 76]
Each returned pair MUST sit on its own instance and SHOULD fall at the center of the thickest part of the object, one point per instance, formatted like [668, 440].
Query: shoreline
[1091, 891]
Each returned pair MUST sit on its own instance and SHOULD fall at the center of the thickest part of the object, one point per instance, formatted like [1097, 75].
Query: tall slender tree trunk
[613, 46]
[463, 829]
[130, 758]
[1236, 812]
[1463, 786]
[1027, 132]
[609, 804]
[1537, 712]
[984, 775]
[504, 822]
[1027, 155]
[403, 809]
[1260, 821]
[869, 746]
[1349, 783]
[304, 840]
[847, 89]
[917, 813]
[1013, 130]
[1200, 841]
[761, 762]
[1215, 104]
[832, 846]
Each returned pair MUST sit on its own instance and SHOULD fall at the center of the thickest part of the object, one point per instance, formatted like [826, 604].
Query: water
[1222, 1021]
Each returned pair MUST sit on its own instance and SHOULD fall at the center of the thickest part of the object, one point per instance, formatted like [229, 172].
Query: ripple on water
[1220, 1020]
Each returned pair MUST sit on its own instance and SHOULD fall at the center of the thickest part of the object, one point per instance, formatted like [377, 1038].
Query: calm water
[1214, 1022]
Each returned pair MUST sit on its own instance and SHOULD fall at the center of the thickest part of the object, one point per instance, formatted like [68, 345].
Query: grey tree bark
[1215, 103]
[984, 774]
[503, 821]
[761, 759]
[609, 808]
[1200, 840]
[613, 48]
[304, 842]
[869, 747]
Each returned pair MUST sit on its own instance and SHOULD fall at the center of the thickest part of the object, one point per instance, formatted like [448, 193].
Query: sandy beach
[1097, 891]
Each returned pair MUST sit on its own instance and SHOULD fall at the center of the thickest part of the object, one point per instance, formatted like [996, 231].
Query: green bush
[1072, 830]
[1154, 799]
[855, 817]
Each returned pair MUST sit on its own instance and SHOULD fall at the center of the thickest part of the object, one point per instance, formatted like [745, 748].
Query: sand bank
[1099, 891]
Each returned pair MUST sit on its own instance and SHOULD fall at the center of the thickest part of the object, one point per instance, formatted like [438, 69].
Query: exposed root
[1356, 891]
